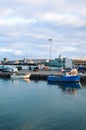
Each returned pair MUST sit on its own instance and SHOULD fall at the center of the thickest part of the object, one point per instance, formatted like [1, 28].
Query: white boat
[21, 75]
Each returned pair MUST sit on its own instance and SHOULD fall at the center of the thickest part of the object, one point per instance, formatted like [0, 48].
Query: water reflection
[26, 80]
[15, 81]
[70, 88]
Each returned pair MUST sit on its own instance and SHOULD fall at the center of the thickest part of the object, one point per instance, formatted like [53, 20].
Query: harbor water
[38, 105]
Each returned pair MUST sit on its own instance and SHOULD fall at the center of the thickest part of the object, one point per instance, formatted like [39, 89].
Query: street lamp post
[50, 40]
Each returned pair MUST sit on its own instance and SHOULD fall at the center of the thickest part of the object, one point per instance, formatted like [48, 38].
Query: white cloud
[5, 12]
[16, 20]
[63, 19]
[17, 52]
[26, 26]
[6, 50]
[33, 2]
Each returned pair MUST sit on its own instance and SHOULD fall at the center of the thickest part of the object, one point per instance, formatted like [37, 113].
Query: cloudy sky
[27, 25]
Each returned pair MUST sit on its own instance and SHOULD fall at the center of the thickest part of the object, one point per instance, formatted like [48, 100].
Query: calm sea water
[37, 105]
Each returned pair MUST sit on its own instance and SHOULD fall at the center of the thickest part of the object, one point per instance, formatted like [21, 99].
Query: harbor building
[60, 62]
[57, 62]
[79, 62]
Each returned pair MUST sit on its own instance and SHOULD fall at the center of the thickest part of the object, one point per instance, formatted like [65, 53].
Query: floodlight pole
[50, 40]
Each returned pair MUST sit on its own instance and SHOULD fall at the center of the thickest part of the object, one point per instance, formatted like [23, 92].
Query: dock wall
[40, 75]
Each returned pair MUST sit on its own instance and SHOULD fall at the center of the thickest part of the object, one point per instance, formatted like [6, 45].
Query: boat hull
[74, 78]
[15, 76]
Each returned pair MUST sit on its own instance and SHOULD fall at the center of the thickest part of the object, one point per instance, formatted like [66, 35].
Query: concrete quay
[42, 75]
[39, 75]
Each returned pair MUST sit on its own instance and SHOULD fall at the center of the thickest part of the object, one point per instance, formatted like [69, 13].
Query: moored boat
[20, 75]
[73, 78]
[65, 77]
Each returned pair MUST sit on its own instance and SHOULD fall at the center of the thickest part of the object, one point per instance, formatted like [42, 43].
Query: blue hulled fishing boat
[65, 77]
[73, 78]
